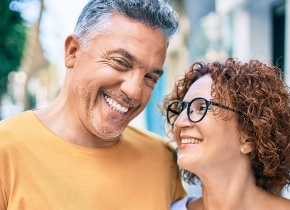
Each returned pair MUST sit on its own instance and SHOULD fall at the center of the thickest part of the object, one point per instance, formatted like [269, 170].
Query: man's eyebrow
[125, 53]
[131, 57]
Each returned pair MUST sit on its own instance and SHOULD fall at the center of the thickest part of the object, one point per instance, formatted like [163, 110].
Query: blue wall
[153, 116]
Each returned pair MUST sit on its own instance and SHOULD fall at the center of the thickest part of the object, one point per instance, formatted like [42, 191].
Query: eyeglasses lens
[197, 109]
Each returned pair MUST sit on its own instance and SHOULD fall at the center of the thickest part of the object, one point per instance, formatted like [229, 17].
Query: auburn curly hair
[259, 92]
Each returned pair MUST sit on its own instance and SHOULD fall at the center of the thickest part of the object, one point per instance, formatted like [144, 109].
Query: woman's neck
[235, 190]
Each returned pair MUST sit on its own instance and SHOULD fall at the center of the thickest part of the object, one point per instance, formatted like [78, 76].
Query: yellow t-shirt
[39, 171]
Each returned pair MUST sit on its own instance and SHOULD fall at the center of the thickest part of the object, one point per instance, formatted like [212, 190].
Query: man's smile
[115, 105]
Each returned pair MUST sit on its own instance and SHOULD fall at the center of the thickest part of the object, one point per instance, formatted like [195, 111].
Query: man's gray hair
[95, 17]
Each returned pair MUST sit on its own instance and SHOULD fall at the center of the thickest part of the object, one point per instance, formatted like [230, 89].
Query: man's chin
[110, 132]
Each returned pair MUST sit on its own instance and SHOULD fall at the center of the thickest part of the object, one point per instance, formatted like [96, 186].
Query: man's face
[111, 83]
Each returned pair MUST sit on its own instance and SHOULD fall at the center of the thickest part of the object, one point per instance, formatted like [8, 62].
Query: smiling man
[79, 152]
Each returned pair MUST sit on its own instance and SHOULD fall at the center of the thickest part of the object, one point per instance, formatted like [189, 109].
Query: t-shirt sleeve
[3, 202]
[179, 192]
[179, 189]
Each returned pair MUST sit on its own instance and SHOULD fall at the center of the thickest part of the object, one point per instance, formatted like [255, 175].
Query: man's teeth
[116, 106]
[190, 141]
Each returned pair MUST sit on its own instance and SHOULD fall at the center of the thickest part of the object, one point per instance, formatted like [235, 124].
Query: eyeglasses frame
[188, 104]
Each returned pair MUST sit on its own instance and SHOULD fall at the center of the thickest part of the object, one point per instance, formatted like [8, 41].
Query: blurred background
[32, 34]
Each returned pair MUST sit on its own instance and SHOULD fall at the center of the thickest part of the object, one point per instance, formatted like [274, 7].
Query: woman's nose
[182, 120]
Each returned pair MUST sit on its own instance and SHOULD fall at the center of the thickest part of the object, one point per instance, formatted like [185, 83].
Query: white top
[181, 204]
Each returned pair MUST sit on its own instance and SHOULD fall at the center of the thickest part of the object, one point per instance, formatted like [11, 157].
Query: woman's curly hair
[259, 92]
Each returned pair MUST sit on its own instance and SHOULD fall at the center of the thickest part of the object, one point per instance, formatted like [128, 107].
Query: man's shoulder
[141, 132]
[17, 119]
[15, 126]
[20, 117]
[141, 135]
[132, 132]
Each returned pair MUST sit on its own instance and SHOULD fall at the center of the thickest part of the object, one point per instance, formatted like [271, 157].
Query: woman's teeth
[190, 141]
[116, 106]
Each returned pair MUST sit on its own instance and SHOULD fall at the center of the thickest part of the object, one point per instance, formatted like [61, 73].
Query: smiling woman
[231, 122]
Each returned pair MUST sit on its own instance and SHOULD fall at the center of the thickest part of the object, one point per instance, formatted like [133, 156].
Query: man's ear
[72, 46]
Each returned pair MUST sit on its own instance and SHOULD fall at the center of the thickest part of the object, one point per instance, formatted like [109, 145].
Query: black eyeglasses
[196, 109]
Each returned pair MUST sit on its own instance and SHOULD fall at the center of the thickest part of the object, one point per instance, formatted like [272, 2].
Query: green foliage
[12, 41]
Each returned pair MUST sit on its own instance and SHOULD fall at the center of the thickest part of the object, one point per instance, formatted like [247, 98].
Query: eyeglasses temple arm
[225, 107]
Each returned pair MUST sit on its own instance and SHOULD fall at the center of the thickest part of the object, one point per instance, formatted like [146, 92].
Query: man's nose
[132, 86]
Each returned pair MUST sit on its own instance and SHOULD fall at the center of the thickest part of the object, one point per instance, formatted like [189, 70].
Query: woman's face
[211, 144]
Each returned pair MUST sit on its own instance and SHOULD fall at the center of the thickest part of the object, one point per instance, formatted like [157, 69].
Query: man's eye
[150, 80]
[122, 63]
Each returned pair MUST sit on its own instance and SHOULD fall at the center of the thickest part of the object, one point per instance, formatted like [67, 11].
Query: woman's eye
[202, 108]
[151, 80]
[199, 109]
